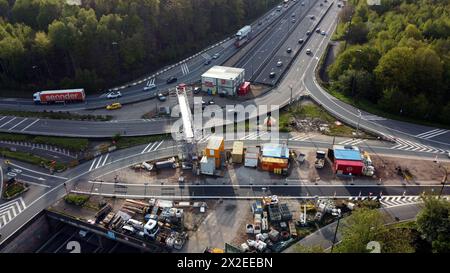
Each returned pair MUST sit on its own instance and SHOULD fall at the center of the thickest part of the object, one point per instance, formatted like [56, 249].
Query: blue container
[347, 155]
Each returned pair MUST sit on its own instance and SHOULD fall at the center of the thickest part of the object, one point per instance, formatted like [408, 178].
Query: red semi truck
[66, 95]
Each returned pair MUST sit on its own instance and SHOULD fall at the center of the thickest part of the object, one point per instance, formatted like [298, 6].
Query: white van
[128, 229]
[135, 224]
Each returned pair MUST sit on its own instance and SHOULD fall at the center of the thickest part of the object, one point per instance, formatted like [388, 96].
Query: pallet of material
[134, 209]
[292, 229]
[108, 219]
[143, 204]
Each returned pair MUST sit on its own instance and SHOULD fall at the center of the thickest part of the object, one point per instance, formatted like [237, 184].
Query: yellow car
[113, 106]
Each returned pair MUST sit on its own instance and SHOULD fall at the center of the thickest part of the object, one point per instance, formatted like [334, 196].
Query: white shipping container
[207, 165]
[251, 160]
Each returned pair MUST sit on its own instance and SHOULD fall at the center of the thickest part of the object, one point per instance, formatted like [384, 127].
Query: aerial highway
[187, 70]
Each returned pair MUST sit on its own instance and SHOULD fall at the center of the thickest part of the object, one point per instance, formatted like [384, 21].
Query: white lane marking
[8, 122]
[98, 162]
[29, 125]
[2, 118]
[432, 133]
[34, 177]
[36, 184]
[92, 165]
[33, 171]
[428, 132]
[156, 148]
[20, 122]
[106, 158]
[148, 149]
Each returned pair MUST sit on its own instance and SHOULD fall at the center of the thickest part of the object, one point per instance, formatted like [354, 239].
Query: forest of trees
[397, 57]
[50, 44]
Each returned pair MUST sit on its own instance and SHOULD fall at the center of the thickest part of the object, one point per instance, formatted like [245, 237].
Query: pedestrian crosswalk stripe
[300, 138]
[98, 162]
[407, 145]
[432, 133]
[352, 141]
[11, 209]
[152, 146]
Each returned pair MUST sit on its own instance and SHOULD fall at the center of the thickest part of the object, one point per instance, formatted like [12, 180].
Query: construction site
[224, 195]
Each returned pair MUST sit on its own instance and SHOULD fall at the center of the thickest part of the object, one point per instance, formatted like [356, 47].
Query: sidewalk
[324, 236]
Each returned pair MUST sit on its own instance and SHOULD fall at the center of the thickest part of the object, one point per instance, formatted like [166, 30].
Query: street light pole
[290, 86]
[357, 127]
[335, 233]
[444, 180]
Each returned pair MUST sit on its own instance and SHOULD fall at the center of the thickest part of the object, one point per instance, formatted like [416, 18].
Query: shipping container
[207, 165]
[275, 150]
[238, 152]
[251, 160]
[216, 149]
[348, 167]
[222, 80]
[271, 163]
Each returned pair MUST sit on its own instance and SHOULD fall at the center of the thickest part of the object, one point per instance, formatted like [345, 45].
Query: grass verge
[126, 142]
[73, 144]
[13, 189]
[31, 159]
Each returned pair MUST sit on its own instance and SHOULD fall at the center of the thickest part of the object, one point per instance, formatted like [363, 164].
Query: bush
[76, 199]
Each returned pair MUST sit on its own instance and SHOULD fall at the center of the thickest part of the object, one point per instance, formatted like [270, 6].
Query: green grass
[55, 115]
[126, 142]
[73, 144]
[30, 158]
[312, 111]
[76, 199]
[13, 189]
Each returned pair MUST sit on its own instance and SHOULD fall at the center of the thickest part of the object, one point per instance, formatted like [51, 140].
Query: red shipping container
[348, 167]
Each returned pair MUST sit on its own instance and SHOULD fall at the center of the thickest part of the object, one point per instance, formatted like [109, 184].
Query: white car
[114, 95]
[150, 87]
[308, 51]
[448, 154]
[215, 56]
[280, 63]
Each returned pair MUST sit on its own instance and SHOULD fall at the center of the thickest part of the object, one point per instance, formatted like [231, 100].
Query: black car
[289, 50]
[308, 32]
[171, 80]
[300, 41]
[272, 75]
[197, 90]
[207, 62]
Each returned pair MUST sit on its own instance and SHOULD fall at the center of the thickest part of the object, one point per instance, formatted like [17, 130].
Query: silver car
[114, 95]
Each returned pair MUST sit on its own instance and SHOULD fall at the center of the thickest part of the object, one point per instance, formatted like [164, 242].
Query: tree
[364, 226]
[433, 222]
[396, 68]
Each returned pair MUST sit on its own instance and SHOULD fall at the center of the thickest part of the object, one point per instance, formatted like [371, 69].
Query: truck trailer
[243, 36]
[54, 96]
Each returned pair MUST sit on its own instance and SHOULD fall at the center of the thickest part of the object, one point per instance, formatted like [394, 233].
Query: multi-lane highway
[187, 70]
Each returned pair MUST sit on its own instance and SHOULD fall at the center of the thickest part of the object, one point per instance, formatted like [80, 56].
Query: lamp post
[357, 126]
[290, 87]
[335, 232]
[444, 180]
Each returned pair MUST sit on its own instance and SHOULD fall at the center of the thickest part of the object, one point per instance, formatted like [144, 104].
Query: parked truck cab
[151, 228]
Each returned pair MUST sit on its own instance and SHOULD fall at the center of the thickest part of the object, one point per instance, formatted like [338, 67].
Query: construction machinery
[320, 160]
